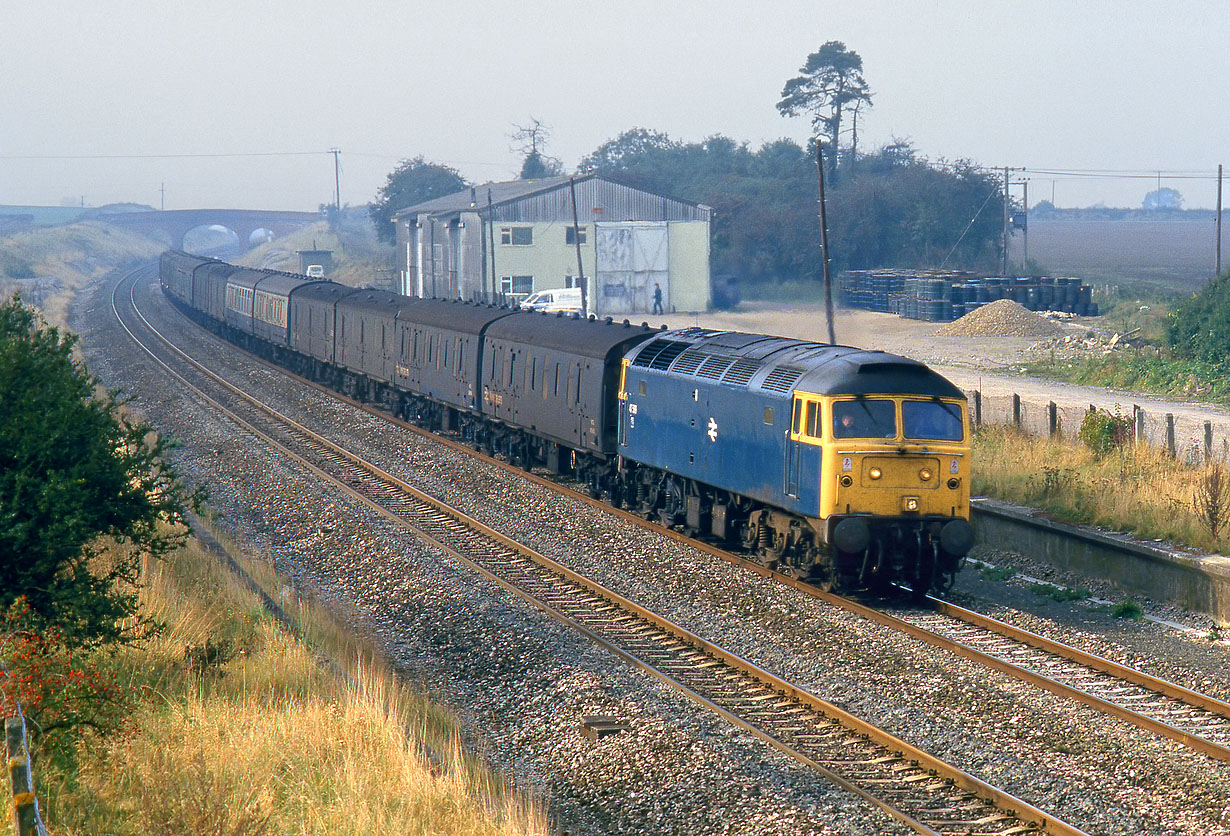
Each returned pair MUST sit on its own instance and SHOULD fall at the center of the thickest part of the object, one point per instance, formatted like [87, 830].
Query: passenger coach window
[864, 418]
[934, 420]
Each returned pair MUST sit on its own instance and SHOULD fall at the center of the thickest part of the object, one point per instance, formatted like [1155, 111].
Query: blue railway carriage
[556, 377]
[209, 289]
[848, 467]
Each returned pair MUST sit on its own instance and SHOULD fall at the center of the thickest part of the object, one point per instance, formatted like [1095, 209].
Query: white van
[567, 299]
[315, 271]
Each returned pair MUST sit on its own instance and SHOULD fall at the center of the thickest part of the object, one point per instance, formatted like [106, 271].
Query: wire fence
[1190, 437]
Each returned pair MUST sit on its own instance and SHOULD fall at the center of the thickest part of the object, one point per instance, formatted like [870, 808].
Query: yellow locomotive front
[894, 485]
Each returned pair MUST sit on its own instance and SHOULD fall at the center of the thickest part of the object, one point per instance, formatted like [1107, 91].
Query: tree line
[891, 207]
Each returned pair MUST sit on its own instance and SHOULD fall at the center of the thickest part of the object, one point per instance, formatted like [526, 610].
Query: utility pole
[576, 239]
[163, 190]
[824, 243]
[1218, 273]
[1025, 223]
[491, 235]
[337, 179]
[1004, 261]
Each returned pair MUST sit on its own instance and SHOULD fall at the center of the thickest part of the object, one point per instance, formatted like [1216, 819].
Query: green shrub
[1103, 433]
[1127, 609]
[997, 573]
[1199, 328]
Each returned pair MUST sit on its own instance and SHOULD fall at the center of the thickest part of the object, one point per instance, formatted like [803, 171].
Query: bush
[1127, 609]
[61, 691]
[1104, 433]
[1199, 328]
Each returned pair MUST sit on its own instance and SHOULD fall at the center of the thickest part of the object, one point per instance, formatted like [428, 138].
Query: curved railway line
[921, 791]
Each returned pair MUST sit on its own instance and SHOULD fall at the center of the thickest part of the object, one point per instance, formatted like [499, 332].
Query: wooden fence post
[25, 808]
[977, 407]
[1208, 441]
[1140, 424]
[1052, 418]
[1170, 451]
[1016, 410]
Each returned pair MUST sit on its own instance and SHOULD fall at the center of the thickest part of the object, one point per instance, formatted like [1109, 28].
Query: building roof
[509, 192]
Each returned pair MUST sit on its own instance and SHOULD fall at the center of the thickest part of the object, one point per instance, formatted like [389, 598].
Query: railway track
[917, 789]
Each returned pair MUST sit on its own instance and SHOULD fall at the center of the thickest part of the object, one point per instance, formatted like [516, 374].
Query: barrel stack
[945, 295]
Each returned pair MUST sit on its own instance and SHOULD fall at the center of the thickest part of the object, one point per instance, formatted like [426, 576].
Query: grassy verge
[245, 732]
[1135, 370]
[1134, 489]
[69, 256]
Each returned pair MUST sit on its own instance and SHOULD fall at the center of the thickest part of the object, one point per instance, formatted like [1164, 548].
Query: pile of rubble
[1001, 318]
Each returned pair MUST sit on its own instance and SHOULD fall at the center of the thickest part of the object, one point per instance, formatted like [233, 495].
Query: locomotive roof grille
[659, 354]
[689, 362]
[714, 367]
[740, 374]
[782, 379]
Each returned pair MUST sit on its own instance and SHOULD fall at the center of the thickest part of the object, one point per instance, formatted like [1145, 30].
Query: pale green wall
[688, 250]
[548, 259]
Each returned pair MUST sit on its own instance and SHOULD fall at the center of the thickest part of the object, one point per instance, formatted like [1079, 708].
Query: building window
[517, 285]
[572, 236]
[517, 236]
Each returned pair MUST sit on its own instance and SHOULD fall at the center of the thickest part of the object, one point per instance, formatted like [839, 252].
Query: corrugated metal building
[505, 240]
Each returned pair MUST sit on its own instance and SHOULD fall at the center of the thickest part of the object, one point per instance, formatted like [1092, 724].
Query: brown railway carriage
[557, 376]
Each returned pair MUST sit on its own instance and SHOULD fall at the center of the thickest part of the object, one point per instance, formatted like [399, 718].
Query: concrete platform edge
[1194, 581]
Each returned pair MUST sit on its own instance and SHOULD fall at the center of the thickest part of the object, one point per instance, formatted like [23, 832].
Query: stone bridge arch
[175, 223]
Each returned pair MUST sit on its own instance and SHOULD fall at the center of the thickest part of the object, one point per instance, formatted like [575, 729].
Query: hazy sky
[107, 100]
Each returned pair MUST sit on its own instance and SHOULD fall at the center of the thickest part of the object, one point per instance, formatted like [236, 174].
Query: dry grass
[72, 255]
[246, 732]
[1134, 489]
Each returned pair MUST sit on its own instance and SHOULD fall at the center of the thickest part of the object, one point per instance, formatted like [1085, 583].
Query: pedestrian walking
[657, 298]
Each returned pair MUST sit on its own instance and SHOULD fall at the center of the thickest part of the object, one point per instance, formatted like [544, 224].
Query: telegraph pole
[1003, 271]
[1025, 258]
[337, 179]
[576, 240]
[1218, 273]
[163, 190]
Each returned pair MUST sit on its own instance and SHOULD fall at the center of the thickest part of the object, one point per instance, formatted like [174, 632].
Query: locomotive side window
[933, 420]
[864, 418]
[797, 426]
[768, 415]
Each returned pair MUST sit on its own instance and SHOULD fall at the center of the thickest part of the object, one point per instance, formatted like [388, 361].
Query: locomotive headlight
[875, 473]
[909, 503]
[925, 474]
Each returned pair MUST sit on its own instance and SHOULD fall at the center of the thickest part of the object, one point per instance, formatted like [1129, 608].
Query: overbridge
[173, 224]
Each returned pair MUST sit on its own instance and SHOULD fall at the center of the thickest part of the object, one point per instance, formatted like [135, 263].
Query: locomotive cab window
[864, 418]
[932, 420]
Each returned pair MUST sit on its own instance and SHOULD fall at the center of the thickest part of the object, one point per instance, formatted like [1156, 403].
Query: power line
[159, 156]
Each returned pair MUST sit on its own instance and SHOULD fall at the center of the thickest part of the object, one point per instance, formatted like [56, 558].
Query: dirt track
[976, 363]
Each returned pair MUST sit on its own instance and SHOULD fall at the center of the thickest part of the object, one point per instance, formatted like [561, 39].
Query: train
[845, 467]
